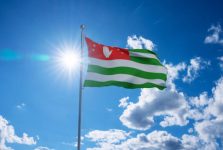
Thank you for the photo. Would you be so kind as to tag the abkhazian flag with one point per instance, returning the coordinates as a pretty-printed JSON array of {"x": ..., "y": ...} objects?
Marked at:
[{"x": 133, "y": 68}]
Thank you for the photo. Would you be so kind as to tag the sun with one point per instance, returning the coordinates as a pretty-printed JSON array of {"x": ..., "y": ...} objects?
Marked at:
[{"x": 67, "y": 61}]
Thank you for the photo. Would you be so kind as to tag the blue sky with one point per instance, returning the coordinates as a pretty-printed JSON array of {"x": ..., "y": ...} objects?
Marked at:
[{"x": 40, "y": 99}]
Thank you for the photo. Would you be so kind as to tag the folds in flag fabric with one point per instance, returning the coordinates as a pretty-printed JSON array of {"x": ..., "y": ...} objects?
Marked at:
[{"x": 134, "y": 68}]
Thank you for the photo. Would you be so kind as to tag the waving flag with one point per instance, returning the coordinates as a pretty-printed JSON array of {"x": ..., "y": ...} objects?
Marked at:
[{"x": 135, "y": 68}]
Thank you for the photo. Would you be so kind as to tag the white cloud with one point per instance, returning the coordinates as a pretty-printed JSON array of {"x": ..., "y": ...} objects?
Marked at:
[
  {"x": 174, "y": 70},
  {"x": 139, "y": 43},
  {"x": 196, "y": 64},
  {"x": 156, "y": 140},
  {"x": 173, "y": 73},
  {"x": 200, "y": 101},
  {"x": 43, "y": 148},
  {"x": 191, "y": 142},
  {"x": 153, "y": 103},
  {"x": 215, "y": 107},
  {"x": 220, "y": 58},
  {"x": 123, "y": 102},
  {"x": 21, "y": 106},
  {"x": 7, "y": 135},
  {"x": 220, "y": 62},
  {"x": 198, "y": 105},
  {"x": 209, "y": 113},
  {"x": 214, "y": 37},
  {"x": 209, "y": 130},
  {"x": 196, "y": 114},
  {"x": 109, "y": 136}
]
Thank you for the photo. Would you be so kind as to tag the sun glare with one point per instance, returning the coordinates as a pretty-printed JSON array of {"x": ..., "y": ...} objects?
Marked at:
[{"x": 69, "y": 60}]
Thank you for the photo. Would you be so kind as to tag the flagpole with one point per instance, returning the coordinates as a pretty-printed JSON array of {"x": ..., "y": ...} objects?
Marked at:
[{"x": 80, "y": 91}]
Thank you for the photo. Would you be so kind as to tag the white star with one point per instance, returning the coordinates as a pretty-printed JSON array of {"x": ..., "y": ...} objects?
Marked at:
[{"x": 94, "y": 45}]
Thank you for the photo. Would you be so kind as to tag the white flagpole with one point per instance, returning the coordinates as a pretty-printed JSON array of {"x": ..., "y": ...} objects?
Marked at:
[{"x": 80, "y": 91}]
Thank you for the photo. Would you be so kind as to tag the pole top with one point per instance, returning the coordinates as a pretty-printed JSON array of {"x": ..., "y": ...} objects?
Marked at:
[{"x": 82, "y": 27}]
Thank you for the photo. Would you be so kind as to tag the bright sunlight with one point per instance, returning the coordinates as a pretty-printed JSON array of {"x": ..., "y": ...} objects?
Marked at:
[{"x": 67, "y": 60}]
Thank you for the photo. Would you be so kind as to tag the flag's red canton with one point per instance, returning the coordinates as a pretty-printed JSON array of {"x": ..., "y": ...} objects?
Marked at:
[{"x": 106, "y": 52}]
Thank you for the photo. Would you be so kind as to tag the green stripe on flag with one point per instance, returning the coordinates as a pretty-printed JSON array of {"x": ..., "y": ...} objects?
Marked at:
[
  {"x": 142, "y": 60},
  {"x": 142, "y": 51},
  {"x": 90, "y": 83},
  {"x": 126, "y": 70}
]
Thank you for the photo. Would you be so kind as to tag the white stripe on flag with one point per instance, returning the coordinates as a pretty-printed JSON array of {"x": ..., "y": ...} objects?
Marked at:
[
  {"x": 145, "y": 55},
  {"x": 127, "y": 63},
  {"x": 122, "y": 78}
]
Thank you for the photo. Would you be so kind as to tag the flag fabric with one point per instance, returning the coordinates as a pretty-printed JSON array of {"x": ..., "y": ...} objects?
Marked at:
[{"x": 135, "y": 68}]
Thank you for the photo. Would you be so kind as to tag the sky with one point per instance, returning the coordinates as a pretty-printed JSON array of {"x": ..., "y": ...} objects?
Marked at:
[{"x": 39, "y": 97}]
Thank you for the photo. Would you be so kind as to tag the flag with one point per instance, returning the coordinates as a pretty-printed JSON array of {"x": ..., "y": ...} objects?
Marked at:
[{"x": 133, "y": 68}]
